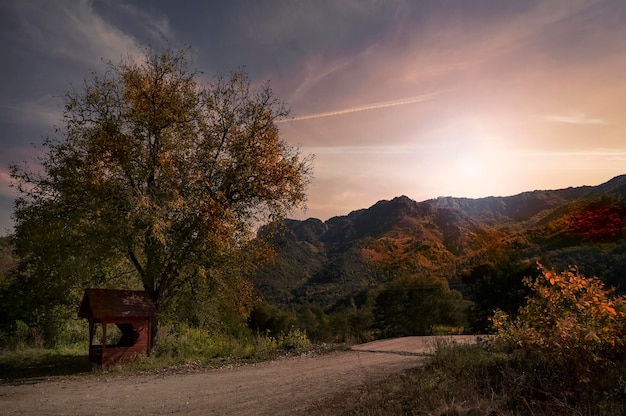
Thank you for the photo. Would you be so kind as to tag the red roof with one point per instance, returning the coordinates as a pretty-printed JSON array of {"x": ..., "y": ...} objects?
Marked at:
[{"x": 111, "y": 303}]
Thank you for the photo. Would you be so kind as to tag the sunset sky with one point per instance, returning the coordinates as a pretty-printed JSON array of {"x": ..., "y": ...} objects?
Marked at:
[{"x": 466, "y": 98}]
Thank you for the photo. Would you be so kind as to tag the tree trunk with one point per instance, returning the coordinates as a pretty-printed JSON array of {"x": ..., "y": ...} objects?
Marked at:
[{"x": 154, "y": 330}]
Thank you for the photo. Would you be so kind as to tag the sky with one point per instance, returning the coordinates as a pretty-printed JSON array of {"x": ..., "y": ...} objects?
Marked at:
[{"x": 464, "y": 98}]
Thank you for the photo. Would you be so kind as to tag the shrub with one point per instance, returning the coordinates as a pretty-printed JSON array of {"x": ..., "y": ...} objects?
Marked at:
[
  {"x": 295, "y": 339},
  {"x": 569, "y": 337},
  {"x": 182, "y": 343}
]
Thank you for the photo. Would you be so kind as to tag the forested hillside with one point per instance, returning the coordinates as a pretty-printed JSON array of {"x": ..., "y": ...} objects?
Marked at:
[
  {"x": 465, "y": 241},
  {"x": 403, "y": 267}
]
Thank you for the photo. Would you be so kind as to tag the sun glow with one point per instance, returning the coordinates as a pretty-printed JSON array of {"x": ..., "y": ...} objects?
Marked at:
[
  {"x": 475, "y": 158},
  {"x": 470, "y": 167}
]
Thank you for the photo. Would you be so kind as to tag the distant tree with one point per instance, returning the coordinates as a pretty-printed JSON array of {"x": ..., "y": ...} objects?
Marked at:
[
  {"x": 269, "y": 319},
  {"x": 352, "y": 324},
  {"x": 158, "y": 179},
  {"x": 412, "y": 305},
  {"x": 497, "y": 283}
]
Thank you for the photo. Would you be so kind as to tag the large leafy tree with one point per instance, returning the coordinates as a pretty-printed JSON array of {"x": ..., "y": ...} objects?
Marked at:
[{"x": 158, "y": 178}]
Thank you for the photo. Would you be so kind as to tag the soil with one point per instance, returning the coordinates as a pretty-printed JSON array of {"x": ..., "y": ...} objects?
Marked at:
[{"x": 281, "y": 387}]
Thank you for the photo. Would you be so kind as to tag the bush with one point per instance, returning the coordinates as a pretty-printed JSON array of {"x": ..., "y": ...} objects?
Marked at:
[
  {"x": 181, "y": 343},
  {"x": 295, "y": 339},
  {"x": 21, "y": 335},
  {"x": 567, "y": 340}
]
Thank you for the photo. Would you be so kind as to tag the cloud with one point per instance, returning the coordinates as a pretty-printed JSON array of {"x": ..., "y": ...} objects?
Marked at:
[
  {"x": 5, "y": 178},
  {"x": 375, "y": 106},
  {"x": 298, "y": 24},
  {"x": 613, "y": 154},
  {"x": 76, "y": 31},
  {"x": 579, "y": 118},
  {"x": 345, "y": 150},
  {"x": 57, "y": 43},
  {"x": 6, "y": 191},
  {"x": 150, "y": 25},
  {"x": 446, "y": 47},
  {"x": 44, "y": 111},
  {"x": 315, "y": 70}
]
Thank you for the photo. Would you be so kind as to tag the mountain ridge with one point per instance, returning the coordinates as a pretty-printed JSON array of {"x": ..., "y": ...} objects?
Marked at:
[{"x": 324, "y": 261}]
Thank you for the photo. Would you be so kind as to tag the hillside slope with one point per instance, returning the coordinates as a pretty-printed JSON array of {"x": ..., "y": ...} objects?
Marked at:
[{"x": 327, "y": 262}]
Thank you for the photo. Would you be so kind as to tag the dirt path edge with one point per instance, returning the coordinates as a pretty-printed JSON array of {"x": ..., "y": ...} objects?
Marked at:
[{"x": 280, "y": 387}]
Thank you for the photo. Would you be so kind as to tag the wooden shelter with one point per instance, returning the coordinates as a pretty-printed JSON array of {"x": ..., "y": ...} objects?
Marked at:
[{"x": 131, "y": 311}]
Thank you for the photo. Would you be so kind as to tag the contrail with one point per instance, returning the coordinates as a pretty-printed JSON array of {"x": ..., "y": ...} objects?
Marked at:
[
  {"x": 575, "y": 119},
  {"x": 375, "y": 106}
]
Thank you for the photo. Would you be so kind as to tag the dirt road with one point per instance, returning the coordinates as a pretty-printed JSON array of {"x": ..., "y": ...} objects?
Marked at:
[{"x": 281, "y": 387}]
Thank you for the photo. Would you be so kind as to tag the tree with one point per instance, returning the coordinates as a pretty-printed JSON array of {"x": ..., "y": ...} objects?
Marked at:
[
  {"x": 413, "y": 305},
  {"x": 497, "y": 283},
  {"x": 159, "y": 180}
]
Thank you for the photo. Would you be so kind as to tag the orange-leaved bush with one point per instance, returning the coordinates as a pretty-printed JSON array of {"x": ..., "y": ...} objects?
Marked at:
[{"x": 571, "y": 319}]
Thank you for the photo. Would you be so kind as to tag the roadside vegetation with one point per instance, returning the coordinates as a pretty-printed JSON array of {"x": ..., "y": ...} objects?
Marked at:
[
  {"x": 563, "y": 354},
  {"x": 181, "y": 349}
]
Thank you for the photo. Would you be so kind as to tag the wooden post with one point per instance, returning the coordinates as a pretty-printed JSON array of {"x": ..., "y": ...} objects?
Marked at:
[
  {"x": 91, "y": 331},
  {"x": 104, "y": 339},
  {"x": 149, "y": 336}
]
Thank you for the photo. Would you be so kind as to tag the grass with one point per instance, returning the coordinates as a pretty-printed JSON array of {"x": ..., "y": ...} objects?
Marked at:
[
  {"x": 180, "y": 350},
  {"x": 27, "y": 363},
  {"x": 471, "y": 380},
  {"x": 448, "y": 385}
]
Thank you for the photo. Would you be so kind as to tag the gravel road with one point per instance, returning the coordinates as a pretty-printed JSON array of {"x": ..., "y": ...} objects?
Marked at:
[{"x": 281, "y": 387}]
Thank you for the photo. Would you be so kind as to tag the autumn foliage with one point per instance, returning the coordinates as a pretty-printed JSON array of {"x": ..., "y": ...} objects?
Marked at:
[
  {"x": 157, "y": 179},
  {"x": 601, "y": 220},
  {"x": 573, "y": 320}
]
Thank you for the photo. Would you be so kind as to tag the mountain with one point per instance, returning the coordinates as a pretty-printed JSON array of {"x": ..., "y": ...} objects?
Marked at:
[{"x": 325, "y": 263}]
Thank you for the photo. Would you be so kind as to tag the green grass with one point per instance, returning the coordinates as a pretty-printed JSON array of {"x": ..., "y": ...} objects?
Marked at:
[
  {"x": 42, "y": 363},
  {"x": 180, "y": 350}
]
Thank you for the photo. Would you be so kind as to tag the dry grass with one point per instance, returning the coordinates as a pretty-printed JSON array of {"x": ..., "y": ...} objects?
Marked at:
[{"x": 472, "y": 381}]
